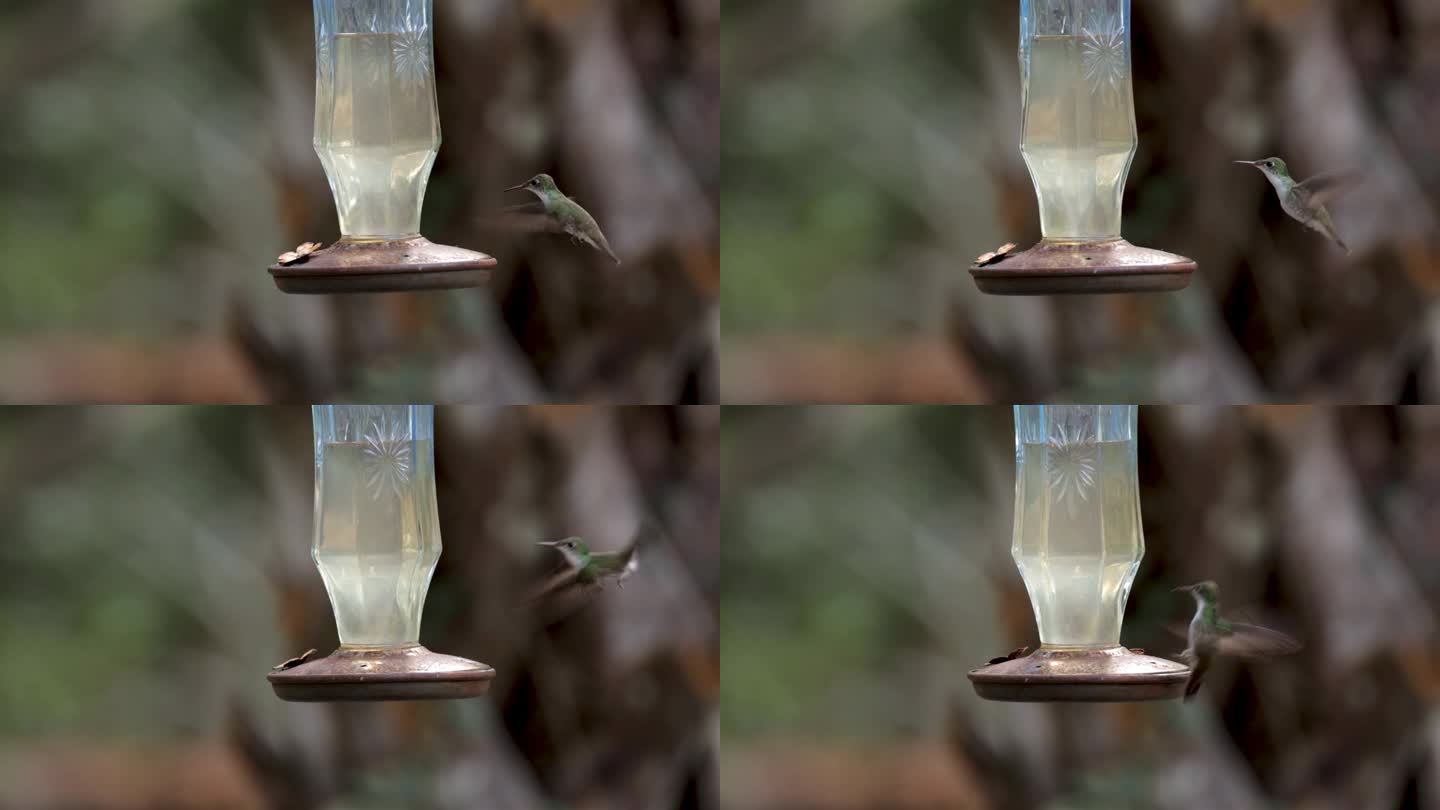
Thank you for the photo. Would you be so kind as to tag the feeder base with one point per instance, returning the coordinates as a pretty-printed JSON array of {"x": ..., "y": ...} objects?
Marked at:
[
  {"x": 1084, "y": 268},
  {"x": 395, "y": 673},
  {"x": 1107, "y": 675},
  {"x": 354, "y": 266}
]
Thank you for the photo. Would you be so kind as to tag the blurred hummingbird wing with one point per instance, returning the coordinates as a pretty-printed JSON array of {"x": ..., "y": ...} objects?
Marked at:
[
  {"x": 629, "y": 556},
  {"x": 627, "y": 559},
  {"x": 1254, "y": 641},
  {"x": 1264, "y": 618},
  {"x": 1322, "y": 188},
  {"x": 565, "y": 598},
  {"x": 557, "y": 583},
  {"x": 521, "y": 219},
  {"x": 648, "y": 534}
]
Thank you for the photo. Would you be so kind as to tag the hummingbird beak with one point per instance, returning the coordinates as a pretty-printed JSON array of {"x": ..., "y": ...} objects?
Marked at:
[
  {"x": 520, "y": 187},
  {"x": 1184, "y": 589},
  {"x": 1248, "y": 162},
  {"x": 549, "y": 543}
]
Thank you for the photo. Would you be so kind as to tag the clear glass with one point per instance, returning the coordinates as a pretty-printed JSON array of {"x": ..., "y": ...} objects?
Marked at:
[
  {"x": 377, "y": 533},
  {"x": 1077, "y": 538},
  {"x": 1078, "y": 135},
  {"x": 377, "y": 126}
]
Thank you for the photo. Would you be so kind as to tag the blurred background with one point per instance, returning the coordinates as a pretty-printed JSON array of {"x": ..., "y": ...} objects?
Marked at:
[
  {"x": 158, "y": 158},
  {"x": 874, "y": 153},
  {"x": 157, "y": 564},
  {"x": 866, "y": 561}
]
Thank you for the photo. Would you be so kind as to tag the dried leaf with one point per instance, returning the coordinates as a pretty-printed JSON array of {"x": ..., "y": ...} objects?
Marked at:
[
  {"x": 299, "y": 254},
  {"x": 999, "y": 253},
  {"x": 295, "y": 662},
  {"x": 1015, "y": 653}
]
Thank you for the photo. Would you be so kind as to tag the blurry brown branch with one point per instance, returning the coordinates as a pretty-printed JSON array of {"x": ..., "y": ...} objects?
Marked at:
[
  {"x": 816, "y": 371},
  {"x": 96, "y": 370},
  {"x": 829, "y": 777},
  {"x": 127, "y": 777}
]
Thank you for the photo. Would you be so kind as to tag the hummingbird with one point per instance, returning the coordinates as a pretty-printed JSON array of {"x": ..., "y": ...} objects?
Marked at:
[
  {"x": 1210, "y": 634},
  {"x": 588, "y": 572},
  {"x": 1304, "y": 202},
  {"x": 566, "y": 215}
]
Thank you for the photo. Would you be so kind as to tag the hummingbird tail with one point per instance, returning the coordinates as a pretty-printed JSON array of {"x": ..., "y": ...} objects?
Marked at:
[
  {"x": 1197, "y": 676},
  {"x": 605, "y": 246}
]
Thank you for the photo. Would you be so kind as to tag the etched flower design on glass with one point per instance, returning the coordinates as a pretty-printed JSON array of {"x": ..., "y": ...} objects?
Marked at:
[
  {"x": 1077, "y": 536},
  {"x": 1104, "y": 54},
  {"x": 412, "y": 56},
  {"x": 387, "y": 455},
  {"x": 1072, "y": 460}
]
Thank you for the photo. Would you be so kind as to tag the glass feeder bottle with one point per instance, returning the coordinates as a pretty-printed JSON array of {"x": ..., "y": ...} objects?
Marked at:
[
  {"x": 1077, "y": 537},
  {"x": 377, "y": 124},
  {"x": 1078, "y": 543},
  {"x": 1078, "y": 137},
  {"x": 377, "y": 532},
  {"x": 377, "y": 133},
  {"x": 376, "y": 543}
]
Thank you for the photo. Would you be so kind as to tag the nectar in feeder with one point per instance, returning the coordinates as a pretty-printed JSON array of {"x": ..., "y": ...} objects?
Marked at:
[
  {"x": 1078, "y": 543},
  {"x": 377, "y": 538},
  {"x": 1078, "y": 138},
  {"x": 376, "y": 543},
  {"x": 377, "y": 133}
]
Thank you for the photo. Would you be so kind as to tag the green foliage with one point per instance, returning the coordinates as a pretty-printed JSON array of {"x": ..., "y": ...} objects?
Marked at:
[
  {"x": 825, "y": 155},
  {"x": 116, "y": 168},
  {"x": 825, "y": 630},
  {"x": 111, "y": 592}
]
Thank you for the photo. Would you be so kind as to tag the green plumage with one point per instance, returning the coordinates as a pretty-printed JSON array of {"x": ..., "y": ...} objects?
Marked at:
[
  {"x": 587, "y": 571},
  {"x": 1304, "y": 202},
  {"x": 565, "y": 215},
  {"x": 1210, "y": 635}
]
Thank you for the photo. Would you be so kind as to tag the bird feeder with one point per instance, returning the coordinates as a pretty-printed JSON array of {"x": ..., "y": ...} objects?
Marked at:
[
  {"x": 376, "y": 543},
  {"x": 1078, "y": 138},
  {"x": 1077, "y": 544},
  {"x": 377, "y": 132}
]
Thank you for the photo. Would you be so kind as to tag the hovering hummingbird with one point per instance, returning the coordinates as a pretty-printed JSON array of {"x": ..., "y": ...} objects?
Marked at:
[
  {"x": 566, "y": 215},
  {"x": 1304, "y": 202},
  {"x": 1210, "y": 634},
  {"x": 588, "y": 572}
]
